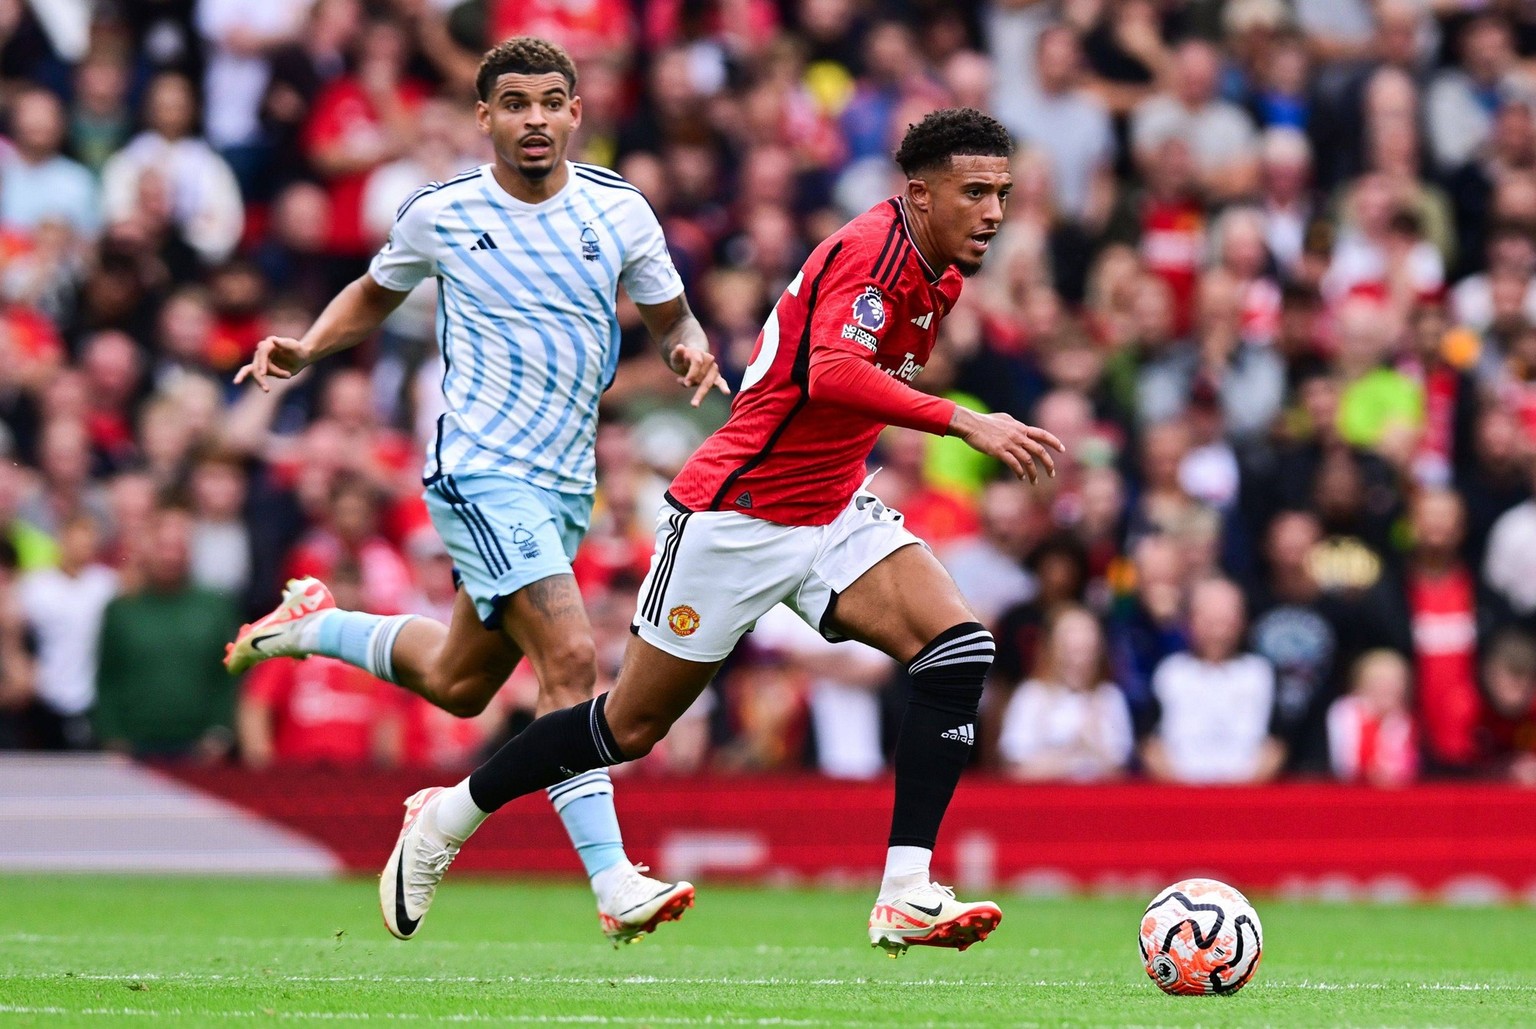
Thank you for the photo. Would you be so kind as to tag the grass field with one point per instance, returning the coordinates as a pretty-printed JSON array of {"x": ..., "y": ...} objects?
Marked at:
[{"x": 96, "y": 951}]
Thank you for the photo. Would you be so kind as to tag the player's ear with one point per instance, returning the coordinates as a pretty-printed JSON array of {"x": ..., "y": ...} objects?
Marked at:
[
  {"x": 918, "y": 192},
  {"x": 483, "y": 116},
  {"x": 575, "y": 112}
]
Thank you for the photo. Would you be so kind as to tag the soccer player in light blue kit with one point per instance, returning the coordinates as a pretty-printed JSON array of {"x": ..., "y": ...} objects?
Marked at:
[{"x": 529, "y": 252}]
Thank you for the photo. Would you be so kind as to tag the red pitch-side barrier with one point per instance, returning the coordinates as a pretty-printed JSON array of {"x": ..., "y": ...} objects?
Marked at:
[{"x": 1466, "y": 842}]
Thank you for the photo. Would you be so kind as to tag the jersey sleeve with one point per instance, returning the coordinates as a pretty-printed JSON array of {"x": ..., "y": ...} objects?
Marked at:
[
  {"x": 847, "y": 325},
  {"x": 648, "y": 275},
  {"x": 407, "y": 255}
]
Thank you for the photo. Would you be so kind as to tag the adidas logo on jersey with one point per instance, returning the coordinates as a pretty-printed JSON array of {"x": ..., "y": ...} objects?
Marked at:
[
  {"x": 964, "y": 733},
  {"x": 485, "y": 242},
  {"x": 745, "y": 500},
  {"x": 923, "y": 321}
]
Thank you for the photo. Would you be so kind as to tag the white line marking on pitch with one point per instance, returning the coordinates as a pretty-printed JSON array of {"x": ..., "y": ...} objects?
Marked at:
[{"x": 365, "y": 1016}]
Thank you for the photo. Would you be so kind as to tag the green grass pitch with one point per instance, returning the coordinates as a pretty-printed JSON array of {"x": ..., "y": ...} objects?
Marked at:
[{"x": 94, "y": 951}]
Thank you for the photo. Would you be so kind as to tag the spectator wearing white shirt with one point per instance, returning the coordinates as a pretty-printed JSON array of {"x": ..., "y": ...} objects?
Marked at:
[
  {"x": 1068, "y": 721},
  {"x": 37, "y": 183},
  {"x": 239, "y": 35},
  {"x": 1070, "y": 126},
  {"x": 1220, "y": 135},
  {"x": 204, "y": 198},
  {"x": 1215, "y": 702},
  {"x": 64, "y": 606}
]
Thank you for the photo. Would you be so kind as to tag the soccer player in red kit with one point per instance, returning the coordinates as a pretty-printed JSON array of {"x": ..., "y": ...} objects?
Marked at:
[{"x": 775, "y": 507}]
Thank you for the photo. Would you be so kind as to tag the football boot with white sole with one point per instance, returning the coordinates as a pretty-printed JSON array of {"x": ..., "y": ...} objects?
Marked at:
[
  {"x": 638, "y": 904},
  {"x": 928, "y": 915},
  {"x": 277, "y": 634},
  {"x": 415, "y": 867}
]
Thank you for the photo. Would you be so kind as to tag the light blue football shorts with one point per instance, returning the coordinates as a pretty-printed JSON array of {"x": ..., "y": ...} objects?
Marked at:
[{"x": 504, "y": 533}]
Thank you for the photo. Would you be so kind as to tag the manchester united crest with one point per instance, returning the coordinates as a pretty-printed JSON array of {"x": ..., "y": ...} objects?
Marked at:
[{"x": 683, "y": 619}]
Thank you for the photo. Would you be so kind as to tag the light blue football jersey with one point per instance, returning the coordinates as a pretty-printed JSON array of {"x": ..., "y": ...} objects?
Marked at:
[{"x": 527, "y": 316}]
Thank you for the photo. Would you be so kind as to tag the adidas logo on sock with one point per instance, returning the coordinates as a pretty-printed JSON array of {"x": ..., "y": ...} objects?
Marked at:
[{"x": 964, "y": 733}]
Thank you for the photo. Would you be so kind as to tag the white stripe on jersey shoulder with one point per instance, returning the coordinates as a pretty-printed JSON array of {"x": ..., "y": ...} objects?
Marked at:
[
  {"x": 600, "y": 176},
  {"x": 433, "y": 187}
]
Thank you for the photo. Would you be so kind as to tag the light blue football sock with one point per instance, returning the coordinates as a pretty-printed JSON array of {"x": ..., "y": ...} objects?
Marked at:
[
  {"x": 364, "y": 640},
  {"x": 585, "y": 804}
]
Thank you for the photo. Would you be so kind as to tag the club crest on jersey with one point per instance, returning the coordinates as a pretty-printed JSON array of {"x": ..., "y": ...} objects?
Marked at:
[
  {"x": 683, "y": 620},
  {"x": 869, "y": 309},
  {"x": 589, "y": 241}
]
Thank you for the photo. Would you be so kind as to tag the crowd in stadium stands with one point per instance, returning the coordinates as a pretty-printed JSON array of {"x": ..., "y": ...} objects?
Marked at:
[{"x": 1267, "y": 271}]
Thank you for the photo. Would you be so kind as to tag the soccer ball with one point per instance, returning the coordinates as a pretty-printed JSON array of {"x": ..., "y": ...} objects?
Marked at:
[{"x": 1201, "y": 936}]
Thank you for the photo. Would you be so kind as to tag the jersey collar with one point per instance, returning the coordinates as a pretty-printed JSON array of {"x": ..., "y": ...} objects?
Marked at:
[
  {"x": 906, "y": 229},
  {"x": 512, "y": 201}
]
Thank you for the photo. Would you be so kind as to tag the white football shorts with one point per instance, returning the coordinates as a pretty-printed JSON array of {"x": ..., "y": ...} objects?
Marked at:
[{"x": 715, "y": 573}]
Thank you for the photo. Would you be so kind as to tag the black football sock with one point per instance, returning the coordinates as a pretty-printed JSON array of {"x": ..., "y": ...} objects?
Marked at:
[
  {"x": 938, "y": 733},
  {"x": 552, "y": 749}
]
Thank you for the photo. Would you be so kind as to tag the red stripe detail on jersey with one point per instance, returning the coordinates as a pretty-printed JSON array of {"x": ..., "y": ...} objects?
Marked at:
[
  {"x": 890, "y": 237},
  {"x": 800, "y": 375}
]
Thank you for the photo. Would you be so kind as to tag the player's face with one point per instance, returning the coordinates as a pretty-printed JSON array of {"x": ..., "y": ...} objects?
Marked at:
[
  {"x": 530, "y": 119},
  {"x": 964, "y": 203}
]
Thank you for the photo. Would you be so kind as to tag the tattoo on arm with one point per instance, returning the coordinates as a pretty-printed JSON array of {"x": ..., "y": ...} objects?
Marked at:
[{"x": 683, "y": 328}]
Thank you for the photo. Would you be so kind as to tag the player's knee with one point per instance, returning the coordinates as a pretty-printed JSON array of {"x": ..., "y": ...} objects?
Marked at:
[
  {"x": 637, "y": 737},
  {"x": 460, "y": 696},
  {"x": 954, "y": 664},
  {"x": 568, "y": 671}
]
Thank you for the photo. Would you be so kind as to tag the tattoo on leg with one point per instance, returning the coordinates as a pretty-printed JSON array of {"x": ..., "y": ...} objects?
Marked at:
[{"x": 555, "y": 597}]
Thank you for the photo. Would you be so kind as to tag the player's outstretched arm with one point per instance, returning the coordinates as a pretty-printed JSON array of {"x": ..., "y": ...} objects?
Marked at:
[
  {"x": 346, "y": 321},
  {"x": 1026, "y": 449},
  {"x": 684, "y": 346}
]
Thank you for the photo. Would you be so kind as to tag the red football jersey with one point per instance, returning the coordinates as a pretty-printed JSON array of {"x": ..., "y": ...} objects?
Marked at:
[{"x": 801, "y": 427}]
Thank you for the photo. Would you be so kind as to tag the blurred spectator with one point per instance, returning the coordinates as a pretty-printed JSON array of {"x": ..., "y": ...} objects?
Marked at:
[
  {"x": 1436, "y": 360},
  {"x": 1509, "y": 563},
  {"x": 1444, "y": 604},
  {"x": 240, "y": 37},
  {"x": 1070, "y": 126},
  {"x": 1463, "y": 98},
  {"x": 840, "y": 684},
  {"x": 300, "y": 68},
  {"x": 360, "y": 121},
  {"x": 19, "y": 708},
  {"x": 100, "y": 119},
  {"x": 221, "y": 542},
  {"x": 167, "y": 170},
  {"x": 1370, "y": 730},
  {"x": 1150, "y": 624},
  {"x": 1215, "y": 703},
  {"x": 161, "y": 688},
  {"x": 1220, "y": 136},
  {"x": 351, "y": 534},
  {"x": 37, "y": 183},
  {"x": 1068, "y": 721},
  {"x": 1059, "y": 566},
  {"x": 63, "y": 608},
  {"x": 1508, "y": 732},
  {"x": 989, "y": 569}
]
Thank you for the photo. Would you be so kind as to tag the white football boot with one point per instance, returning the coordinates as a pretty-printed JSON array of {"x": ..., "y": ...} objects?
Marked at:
[
  {"x": 277, "y": 634},
  {"x": 416, "y": 866},
  {"x": 638, "y": 904},
  {"x": 928, "y": 915}
]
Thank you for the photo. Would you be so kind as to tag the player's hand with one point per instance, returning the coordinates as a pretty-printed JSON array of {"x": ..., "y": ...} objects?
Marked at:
[
  {"x": 277, "y": 357},
  {"x": 1025, "y": 449},
  {"x": 697, "y": 368}
]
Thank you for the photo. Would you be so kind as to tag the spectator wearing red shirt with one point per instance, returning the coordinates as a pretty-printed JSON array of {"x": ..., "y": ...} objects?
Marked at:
[
  {"x": 318, "y": 711},
  {"x": 1442, "y": 602},
  {"x": 1371, "y": 736},
  {"x": 360, "y": 121},
  {"x": 1508, "y": 730},
  {"x": 352, "y": 535}
]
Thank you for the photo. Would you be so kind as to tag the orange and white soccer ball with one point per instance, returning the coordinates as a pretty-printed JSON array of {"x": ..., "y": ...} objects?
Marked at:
[{"x": 1201, "y": 936}]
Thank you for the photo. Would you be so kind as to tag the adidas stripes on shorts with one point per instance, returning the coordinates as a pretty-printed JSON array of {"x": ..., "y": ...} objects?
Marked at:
[{"x": 715, "y": 573}]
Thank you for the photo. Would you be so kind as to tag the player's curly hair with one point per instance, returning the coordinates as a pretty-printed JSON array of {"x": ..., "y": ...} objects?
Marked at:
[
  {"x": 523, "y": 55},
  {"x": 949, "y": 133}
]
